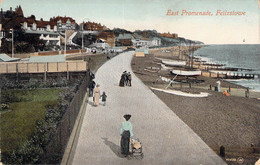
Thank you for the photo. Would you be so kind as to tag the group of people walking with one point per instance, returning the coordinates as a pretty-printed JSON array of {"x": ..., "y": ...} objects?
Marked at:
[
  {"x": 126, "y": 129},
  {"x": 97, "y": 96},
  {"x": 126, "y": 79},
  {"x": 94, "y": 91}
]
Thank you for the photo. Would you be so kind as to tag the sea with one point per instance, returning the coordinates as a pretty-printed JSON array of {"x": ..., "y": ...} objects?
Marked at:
[{"x": 246, "y": 57}]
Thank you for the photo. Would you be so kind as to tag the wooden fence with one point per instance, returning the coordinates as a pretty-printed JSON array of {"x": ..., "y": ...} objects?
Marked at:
[
  {"x": 69, "y": 66},
  {"x": 48, "y": 53}
]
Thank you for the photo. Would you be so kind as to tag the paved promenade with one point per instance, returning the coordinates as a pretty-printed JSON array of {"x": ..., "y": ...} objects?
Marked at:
[{"x": 166, "y": 139}]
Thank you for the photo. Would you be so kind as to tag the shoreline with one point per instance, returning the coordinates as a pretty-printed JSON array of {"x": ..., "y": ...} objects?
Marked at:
[
  {"x": 223, "y": 72},
  {"x": 218, "y": 119},
  {"x": 245, "y": 73}
]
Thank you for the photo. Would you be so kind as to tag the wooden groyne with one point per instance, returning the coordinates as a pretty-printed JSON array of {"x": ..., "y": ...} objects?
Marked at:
[{"x": 228, "y": 76}]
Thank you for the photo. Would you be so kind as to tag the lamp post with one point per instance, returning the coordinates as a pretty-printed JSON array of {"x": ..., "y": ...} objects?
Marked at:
[
  {"x": 65, "y": 43},
  {"x": 82, "y": 37},
  {"x": 12, "y": 43}
]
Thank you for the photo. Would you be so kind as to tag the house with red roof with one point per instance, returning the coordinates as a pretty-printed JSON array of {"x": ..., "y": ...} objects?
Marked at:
[
  {"x": 63, "y": 23},
  {"x": 46, "y": 31}
]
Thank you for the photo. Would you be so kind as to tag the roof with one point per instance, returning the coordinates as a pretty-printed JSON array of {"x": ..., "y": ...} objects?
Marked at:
[
  {"x": 156, "y": 38},
  {"x": 63, "y": 19},
  {"x": 6, "y": 58},
  {"x": 42, "y": 24},
  {"x": 41, "y": 32},
  {"x": 43, "y": 59},
  {"x": 106, "y": 35}
]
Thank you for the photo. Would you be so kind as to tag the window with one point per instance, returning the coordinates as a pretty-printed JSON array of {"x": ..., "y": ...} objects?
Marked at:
[{"x": 53, "y": 36}]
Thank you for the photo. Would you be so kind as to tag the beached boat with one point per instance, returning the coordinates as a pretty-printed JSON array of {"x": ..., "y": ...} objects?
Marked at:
[
  {"x": 165, "y": 79},
  {"x": 174, "y": 63},
  {"x": 186, "y": 72},
  {"x": 180, "y": 93},
  {"x": 163, "y": 67}
]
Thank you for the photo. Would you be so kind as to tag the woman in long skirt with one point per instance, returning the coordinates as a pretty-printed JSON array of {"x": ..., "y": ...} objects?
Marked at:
[
  {"x": 122, "y": 81},
  {"x": 96, "y": 95},
  {"x": 126, "y": 131}
]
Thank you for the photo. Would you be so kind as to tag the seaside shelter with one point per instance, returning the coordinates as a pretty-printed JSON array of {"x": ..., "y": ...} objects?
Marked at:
[
  {"x": 139, "y": 53},
  {"x": 6, "y": 58},
  {"x": 146, "y": 51},
  {"x": 44, "y": 59}
]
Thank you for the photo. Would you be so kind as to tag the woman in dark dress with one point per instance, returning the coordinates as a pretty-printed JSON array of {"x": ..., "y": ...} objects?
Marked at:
[
  {"x": 122, "y": 81},
  {"x": 126, "y": 131}
]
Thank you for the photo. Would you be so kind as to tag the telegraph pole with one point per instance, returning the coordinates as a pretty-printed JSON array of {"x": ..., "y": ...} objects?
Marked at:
[
  {"x": 12, "y": 43},
  {"x": 65, "y": 43}
]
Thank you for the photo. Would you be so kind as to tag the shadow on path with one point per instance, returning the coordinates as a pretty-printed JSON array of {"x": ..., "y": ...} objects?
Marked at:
[{"x": 115, "y": 148}]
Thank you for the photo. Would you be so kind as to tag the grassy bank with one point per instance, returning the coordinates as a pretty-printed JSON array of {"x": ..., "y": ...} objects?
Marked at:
[{"x": 18, "y": 122}]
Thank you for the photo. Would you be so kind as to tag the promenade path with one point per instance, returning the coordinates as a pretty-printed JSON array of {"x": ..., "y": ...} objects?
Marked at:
[{"x": 165, "y": 138}]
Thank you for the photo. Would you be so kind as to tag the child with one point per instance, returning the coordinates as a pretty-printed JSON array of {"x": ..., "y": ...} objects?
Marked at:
[{"x": 104, "y": 98}]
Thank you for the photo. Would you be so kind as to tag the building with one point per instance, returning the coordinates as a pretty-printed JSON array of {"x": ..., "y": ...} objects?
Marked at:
[
  {"x": 92, "y": 26},
  {"x": 100, "y": 43},
  {"x": 48, "y": 33},
  {"x": 108, "y": 37},
  {"x": 169, "y": 35},
  {"x": 125, "y": 42},
  {"x": 63, "y": 23},
  {"x": 155, "y": 41},
  {"x": 127, "y": 39},
  {"x": 18, "y": 12},
  {"x": 139, "y": 53},
  {"x": 6, "y": 58},
  {"x": 141, "y": 43},
  {"x": 10, "y": 18}
]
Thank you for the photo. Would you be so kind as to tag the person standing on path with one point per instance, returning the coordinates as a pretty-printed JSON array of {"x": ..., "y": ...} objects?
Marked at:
[
  {"x": 126, "y": 79},
  {"x": 92, "y": 85},
  {"x": 96, "y": 95},
  {"x": 218, "y": 85},
  {"x": 129, "y": 79},
  {"x": 104, "y": 98},
  {"x": 122, "y": 80},
  {"x": 125, "y": 75},
  {"x": 126, "y": 131}
]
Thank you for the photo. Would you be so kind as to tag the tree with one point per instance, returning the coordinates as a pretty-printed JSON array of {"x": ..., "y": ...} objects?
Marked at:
[
  {"x": 88, "y": 39},
  {"x": 23, "y": 43}
]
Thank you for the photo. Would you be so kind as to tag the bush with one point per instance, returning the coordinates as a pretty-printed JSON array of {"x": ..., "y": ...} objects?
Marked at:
[
  {"x": 37, "y": 83},
  {"x": 9, "y": 97}
]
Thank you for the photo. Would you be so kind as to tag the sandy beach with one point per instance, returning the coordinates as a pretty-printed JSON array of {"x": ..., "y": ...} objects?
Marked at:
[{"x": 231, "y": 121}]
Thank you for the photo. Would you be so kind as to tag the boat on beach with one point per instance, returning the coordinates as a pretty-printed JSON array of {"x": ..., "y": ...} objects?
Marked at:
[
  {"x": 174, "y": 63},
  {"x": 163, "y": 67},
  {"x": 186, "y": 72},
  {"x": 180, "y": 93}
]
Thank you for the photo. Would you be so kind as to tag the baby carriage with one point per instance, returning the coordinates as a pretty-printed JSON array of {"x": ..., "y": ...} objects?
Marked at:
[{"x": 136, "y": 149}]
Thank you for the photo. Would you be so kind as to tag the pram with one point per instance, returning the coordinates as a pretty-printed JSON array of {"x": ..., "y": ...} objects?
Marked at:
[{"x": 136, "y": 150}]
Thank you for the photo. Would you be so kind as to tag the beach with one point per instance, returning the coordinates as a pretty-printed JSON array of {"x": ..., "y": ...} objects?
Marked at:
[{"x": 220, "y": 120}]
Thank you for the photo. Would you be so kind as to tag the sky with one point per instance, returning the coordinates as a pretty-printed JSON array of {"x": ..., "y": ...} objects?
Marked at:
[{"x": 152, "y": 14}]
